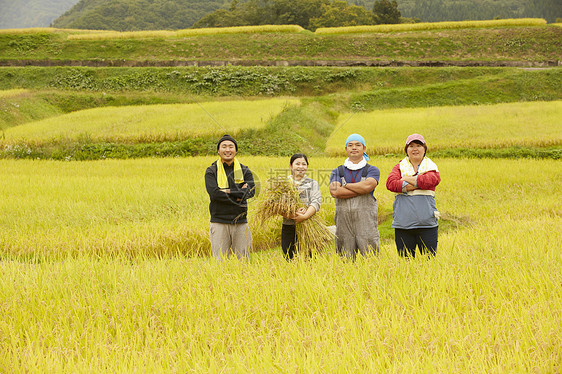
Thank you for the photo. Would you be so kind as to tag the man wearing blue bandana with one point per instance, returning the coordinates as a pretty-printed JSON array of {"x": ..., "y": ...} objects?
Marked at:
[{"x": 352, "y": 185}]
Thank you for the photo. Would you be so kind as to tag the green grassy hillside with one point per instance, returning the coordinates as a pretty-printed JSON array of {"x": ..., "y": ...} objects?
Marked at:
[
  {"x": 524, "y": 45},
  {"x": 363, "y": 87}
]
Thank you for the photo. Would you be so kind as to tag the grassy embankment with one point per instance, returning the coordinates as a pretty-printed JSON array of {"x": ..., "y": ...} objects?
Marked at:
[{"x": 500, "y": 43}]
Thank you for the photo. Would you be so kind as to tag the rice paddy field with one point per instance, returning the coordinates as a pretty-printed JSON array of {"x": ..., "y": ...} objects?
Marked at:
[
  {"x": 432, "y": 26},
  {"x": 537, "y": 124},
  {"x": 150, "y": 122},
  {"x": 105, "y": 269}
]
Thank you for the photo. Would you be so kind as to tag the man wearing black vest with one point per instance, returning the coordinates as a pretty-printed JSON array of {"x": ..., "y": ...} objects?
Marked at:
[
  {"x": 352, "y": 185},
  {"x": 229, "y": 185}
]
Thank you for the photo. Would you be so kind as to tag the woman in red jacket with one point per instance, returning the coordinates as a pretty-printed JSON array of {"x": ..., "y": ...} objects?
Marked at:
[{"x": 415, "y": 214}]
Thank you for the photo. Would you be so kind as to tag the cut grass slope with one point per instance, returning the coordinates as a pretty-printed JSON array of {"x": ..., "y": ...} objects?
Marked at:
[
  {"x": 18, "y": 106},
  {"x": 537, "y": 124},
  {"x": 527, "y": 44},
  {"x": 495, "y": 86}
]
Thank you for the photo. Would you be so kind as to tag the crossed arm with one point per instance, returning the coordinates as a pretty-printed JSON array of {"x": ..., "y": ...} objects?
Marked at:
[
  {"x": 352, "y": 189},
  {"x": 425, "y": 181},
  {"x": 245, "y": 191}
]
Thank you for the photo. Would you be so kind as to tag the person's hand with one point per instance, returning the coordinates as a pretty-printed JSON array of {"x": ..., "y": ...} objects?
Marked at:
[
  {"x": 409, "y": 187},
  {"x": 301, "y": 210},
  {"x": 245, "y": 185},
  {"x": 299, "y": 217},
  {"x": 410, "y": 180}
]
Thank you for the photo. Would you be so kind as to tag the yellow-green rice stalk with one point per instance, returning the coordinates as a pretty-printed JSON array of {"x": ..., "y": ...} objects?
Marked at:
[
  {"x": 31, "y": 30},
  {"x": 313, "y": 236},
  {"x": 432, "y": 26},
  {"x": 240, "y": 30},
  {"x": 281, "y": 197}
]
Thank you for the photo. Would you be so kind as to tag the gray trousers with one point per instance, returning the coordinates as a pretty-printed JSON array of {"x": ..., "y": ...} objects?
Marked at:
[
  {"x": 225, "y": 236},
  {"x": 357, "y": 228}
]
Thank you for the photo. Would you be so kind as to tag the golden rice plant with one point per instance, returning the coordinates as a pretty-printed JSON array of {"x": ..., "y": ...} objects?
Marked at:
[
  {"x": 240, "y": 30},
  {"x": 105, "y": 35},
  {"x": 150, "y": 123},
  {"x": 281, "y": 197},
  {"x": 31, "y": 30},
  {"x": 526, "y": 124},
  {"x": 123, "y": 35},
  {"x": 313, "y": 236},
  {"x": 51, "y": 30},
  {"x": 432, "y": 26}
]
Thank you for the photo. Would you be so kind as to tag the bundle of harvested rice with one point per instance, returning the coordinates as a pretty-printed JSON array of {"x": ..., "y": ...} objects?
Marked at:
[
  {"x": 281, "y": 197},
  {"x": 313, "y": 236}
]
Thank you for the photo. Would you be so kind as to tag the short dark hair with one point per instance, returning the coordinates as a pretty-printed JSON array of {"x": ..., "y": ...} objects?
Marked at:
[
  {"x": 417, "y": 142},
  {"x": 298, "y": 155}
]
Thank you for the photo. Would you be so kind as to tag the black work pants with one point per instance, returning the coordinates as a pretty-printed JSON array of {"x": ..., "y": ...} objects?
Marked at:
[
  {"x": 408, "y": 240},
  {"x": 289, "y": 241}
]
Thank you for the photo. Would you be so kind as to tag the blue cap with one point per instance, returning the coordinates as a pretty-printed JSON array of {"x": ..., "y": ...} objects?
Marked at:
[{"x": 357, "y": 138}]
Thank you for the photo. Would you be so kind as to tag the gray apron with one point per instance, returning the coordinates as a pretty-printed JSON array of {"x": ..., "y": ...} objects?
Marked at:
[{"x": 357, "y": 227}]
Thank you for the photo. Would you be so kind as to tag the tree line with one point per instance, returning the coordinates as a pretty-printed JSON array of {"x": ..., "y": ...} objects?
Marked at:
[
  {"x": 134, "y": 15},
  {"x": 310, "y": 14},
  {"x": 131, "y": 15},
  {"x": 461, "y": 10}
]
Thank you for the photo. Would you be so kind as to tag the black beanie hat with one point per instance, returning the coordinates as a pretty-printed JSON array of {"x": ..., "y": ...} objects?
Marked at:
[{"x": 227, "y": 137}]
